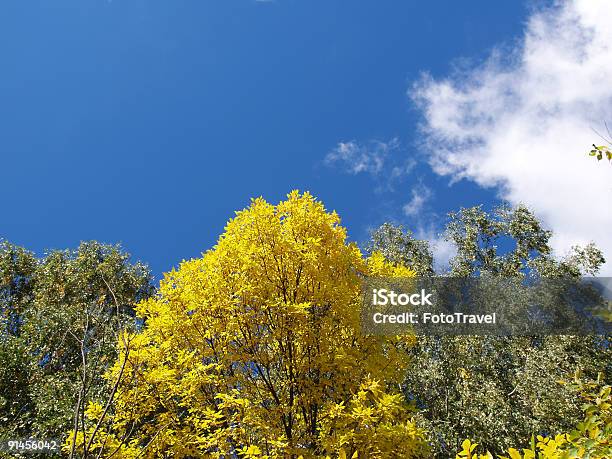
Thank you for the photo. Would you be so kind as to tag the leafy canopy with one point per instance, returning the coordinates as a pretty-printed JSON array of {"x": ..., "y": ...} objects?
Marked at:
[
  {"x": 60, "y": 319},
  {"x": 254, "y": 350},
  {"x": 497, "y": 390}
]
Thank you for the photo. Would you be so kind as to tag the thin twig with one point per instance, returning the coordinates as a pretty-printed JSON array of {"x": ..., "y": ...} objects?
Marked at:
[
  {"x": 111, "y": 396},
  {"x": 113, "y": 294},
  {"x": 76, "y": 423},
  {"x": 609, "y": 141}
]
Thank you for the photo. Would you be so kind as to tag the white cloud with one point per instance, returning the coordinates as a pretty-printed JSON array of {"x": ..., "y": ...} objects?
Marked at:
[
  {"x": 356, "y": 158},
  {"x": 441, "y": 249},
  {"x": 420, "y": 195},
  {"x": 522, "y": 122},
  {"x": 397, "y": 172}
]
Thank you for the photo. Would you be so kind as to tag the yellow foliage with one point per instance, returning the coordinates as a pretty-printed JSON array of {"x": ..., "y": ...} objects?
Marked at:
[
  {"x": 255, "y": 350},
  {"x": 467, "y": 451},
  {"x": 373, "y": 424}
]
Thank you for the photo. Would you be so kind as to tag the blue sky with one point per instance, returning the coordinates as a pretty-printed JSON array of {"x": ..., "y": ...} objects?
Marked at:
[{"x": 149, "y": 122}]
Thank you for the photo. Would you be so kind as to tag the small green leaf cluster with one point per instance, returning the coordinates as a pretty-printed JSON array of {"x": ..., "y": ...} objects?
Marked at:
[{"x": 600, "y": 152}]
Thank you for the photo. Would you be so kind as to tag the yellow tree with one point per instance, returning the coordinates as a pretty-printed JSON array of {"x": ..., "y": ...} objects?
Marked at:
[{"x": 254, "y": 350}]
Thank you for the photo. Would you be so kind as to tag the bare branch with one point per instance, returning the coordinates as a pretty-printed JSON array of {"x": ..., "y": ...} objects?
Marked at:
[{"x": 111, "y": 396}]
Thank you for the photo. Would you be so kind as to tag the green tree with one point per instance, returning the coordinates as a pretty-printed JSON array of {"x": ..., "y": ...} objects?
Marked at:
[
  {"x": 400, "y": 246},
  {"x": 499, "y": 390},
  {"x": 511, "y": 242},
  {"x": 63, "y": 315},
  {"x": 17, "y": 267}
]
